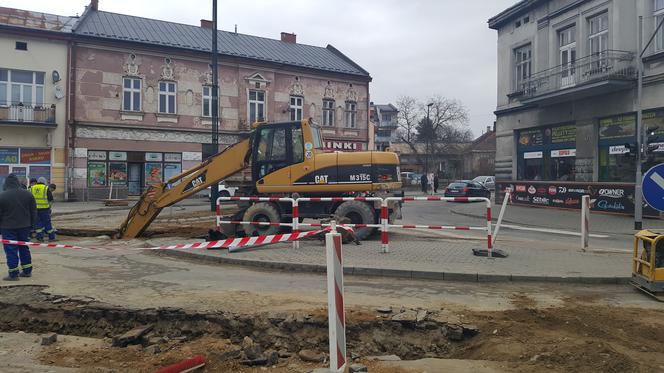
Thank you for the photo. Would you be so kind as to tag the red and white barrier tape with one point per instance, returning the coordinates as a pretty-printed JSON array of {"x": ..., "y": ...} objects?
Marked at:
[{"x": 232, "y": 244}]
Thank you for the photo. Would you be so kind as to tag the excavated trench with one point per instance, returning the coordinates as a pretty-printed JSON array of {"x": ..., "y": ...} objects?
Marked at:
[{"x": 412, "y": 335}]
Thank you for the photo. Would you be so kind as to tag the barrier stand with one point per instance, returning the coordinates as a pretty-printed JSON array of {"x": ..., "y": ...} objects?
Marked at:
[
  {"x": 296, "y": 222},
  {"x": 335, "y": 299},
  {"x": 585, "y": 222},
  {"x": 385, "y": 224},
  {"x": 496, "y": 229}
]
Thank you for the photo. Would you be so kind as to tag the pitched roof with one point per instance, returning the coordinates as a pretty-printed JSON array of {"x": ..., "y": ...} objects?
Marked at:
[
  {"x": 122, "y": 27},
  {"x": 388, "y": 107},
  {"x": 510, "y": 13},
  {"x": 35, "y": 20}
]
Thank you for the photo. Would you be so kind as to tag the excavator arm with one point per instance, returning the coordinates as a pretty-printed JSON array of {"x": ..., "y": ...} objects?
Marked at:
[{"x": 158, "y": 196}]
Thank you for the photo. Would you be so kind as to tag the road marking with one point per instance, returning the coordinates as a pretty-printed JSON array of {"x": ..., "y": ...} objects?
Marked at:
[
  {"x": 657, "y": 179},
  {"x": 553, "y": 231}
]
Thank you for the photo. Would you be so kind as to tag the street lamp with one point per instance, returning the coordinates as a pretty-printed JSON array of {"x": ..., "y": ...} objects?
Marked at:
[
  {"x": 214, "y": 190},
  {"x": 426, "y": 156},
  {"x": 641, "y": 137}
]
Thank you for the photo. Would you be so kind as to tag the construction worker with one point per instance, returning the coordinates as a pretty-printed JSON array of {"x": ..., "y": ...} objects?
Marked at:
[
  {"x": 18, "y": 213},
  {"x": 43, "y": 197}
]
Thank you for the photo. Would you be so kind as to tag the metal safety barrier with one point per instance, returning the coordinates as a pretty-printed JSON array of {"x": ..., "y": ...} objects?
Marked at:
[{"x": 383, "y": 225}]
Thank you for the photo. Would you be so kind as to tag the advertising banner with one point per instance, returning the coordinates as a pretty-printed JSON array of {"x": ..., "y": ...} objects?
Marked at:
[
  {"x": 171, "y": 169},
  {"x": 8, "y": 155},
  {"x": 117, "y": 172},
  {"x": 614, "y": 198},
  {"x": 40, "y": 171},
  {"x": 38, "y": 156},
  {"x": 96, "y": 174},
  {"x": 4, "y": 172},
  {"x": 153, "y": 173}
]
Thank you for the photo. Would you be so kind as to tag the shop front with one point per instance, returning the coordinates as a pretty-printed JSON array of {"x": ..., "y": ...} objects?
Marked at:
[
  {"x": 25, "y": 163},
  {"x": 130, "y": 171},
  {"x": 550, "y": 173}
]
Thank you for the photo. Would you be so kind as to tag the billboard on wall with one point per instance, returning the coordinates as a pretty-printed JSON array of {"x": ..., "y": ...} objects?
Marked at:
[{"x": 613, "y": 198}]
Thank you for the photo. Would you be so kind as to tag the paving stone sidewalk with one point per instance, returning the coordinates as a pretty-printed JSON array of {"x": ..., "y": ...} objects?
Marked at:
[{"x": 413, "y": 256}]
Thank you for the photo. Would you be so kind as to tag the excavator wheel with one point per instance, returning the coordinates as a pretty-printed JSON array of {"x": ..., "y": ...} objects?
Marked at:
[
  {"x": 357, "y": 212},
  {"x": 263, "y": 212}
]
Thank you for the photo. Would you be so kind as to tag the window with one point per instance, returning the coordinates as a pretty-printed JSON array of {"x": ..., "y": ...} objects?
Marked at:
[
  {"x": 598, "y": 39},
  {"x": 523, "y": 66},
  {"x": 517, "y": 24},
  {"x": 256, "y": 106},
  {"x": 328, "y": 112},
  {"x": 351, "y": 114},
  {"x": 271, "y": 153},
  {"x": 296, "y": 103},
  {"x": 526, "y": 19},
  {"x": 387, "y": 118},
  {"x": 617, "y": 140},
  {"x": 298, "y": 145},
  {"x": 659, "y": 17},
  {"x": 167, "y": 94},
  {"x": 21, "y": 46},
  {"x": 131, "y": 94},
  {"x": 567, "y": 49},
  {"x": 21, "y": 87},
  {"x": 207, "y": 101}
]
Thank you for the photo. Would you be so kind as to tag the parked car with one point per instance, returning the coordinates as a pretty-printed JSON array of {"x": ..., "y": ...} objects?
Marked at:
[
  {"x": 488, "y": 181},
  {"x": 410, "y": 178},
  {"x": 467, "y": 188},
  {"x": 224, "y": 191}
]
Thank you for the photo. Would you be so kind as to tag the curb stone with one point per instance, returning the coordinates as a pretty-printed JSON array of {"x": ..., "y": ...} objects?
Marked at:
[{"x": 396, "y": 273}]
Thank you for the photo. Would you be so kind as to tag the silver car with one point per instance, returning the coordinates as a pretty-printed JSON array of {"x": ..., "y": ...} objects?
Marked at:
[{"x": 488, "y": 182}]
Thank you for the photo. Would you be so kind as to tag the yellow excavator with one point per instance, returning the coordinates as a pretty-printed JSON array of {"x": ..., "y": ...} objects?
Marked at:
[{"x": 286, "y": 159}]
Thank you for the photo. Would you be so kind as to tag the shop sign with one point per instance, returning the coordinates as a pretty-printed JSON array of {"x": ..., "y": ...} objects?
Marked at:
[
  {"x": 563, "y": 134},
  {"x": 563, "y": 153},
  {"x": 40, "y": 156},
  {"x": 153, "y": 157},
  {"x": 172, "y": 157},
  {"x": 117, "y": 156},
  {"x": 617, "y": 127},
  {"x": 343, "y": 145},
  {"x": 8, "y": 155},
  {"x": 20, "y": 172},
  {"x": 614, "y": 198},
  {"x": 618, "y": 149},
  {"x": 96, "y": 155},
  {"x": 531, "y": 137},
  {"x": 533, "y": 155}
]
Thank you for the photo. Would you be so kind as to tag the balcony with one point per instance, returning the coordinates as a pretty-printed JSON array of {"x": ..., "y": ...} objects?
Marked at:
[
  {"x": 28, "y": 115},
  {"x": 592, "y": 75}
]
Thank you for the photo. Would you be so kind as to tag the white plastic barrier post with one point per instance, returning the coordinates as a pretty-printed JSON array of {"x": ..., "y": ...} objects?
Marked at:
[
  {"x": 296, "y": 221},
  {"x": 385, "y": 223},
  {"x": 335, "y": 300},
  {"x": 496, "y": 229},
  {"x": 585, "y": 222}
]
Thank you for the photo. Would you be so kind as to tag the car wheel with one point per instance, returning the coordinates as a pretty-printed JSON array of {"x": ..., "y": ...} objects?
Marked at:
[{"x": 357, "y": 212}]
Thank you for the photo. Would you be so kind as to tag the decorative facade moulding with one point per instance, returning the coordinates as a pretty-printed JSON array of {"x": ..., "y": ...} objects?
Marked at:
[
  {"x": 208, "y": 76},
  {"x": 257, "y": 81},
  {"x": 130, "y": 67},
  {"x": 329, "y": 92},
  {"x": 351, "y": 94},
  {"x": 167, "y": 70},
  {"x": 296, "y": 88}
]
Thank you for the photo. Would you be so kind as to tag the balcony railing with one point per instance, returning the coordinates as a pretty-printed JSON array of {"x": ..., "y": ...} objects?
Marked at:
[
  {"x": 28, "y": 114},
  {"x": 603, "y": 66}
]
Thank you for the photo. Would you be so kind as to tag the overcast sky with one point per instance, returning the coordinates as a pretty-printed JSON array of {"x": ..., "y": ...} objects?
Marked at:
[{"x": 414, "y": 47}]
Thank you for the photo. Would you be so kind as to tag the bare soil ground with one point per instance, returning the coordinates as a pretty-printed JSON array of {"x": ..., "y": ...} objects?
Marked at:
[{"x": 579, "y": 336}]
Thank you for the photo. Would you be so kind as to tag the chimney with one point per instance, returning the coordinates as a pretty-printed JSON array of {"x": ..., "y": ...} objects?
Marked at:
[
  {"x": 206, "y": 24},
  {"x": 288, "y": 37},
  {"x": 94, "y": 4},
  {"x": 488, "y": 129}
]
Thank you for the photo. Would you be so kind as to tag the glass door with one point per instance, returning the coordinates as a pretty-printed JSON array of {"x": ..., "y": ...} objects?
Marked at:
[
  {"x": 135, "y": 179},
  {"x": 567, "y": 45}
]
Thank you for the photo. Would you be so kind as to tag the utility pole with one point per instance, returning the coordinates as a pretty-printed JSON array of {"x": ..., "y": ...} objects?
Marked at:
[
  {"x": 214, "y": 190},
  {"x": 641, "y": 136},
  {"x": 428, "y": 141}
]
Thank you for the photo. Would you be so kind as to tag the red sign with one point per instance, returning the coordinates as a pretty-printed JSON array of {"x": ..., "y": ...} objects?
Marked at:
[
  {"x": 521, "y": 188},
  {"x": 343, "y": 146},
  {"x": 553, "y": 190},
  {"x": 36, "y": 156}
]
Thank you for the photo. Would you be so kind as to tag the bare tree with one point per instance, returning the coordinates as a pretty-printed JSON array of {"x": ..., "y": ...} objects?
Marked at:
[
  {"x": 447, "y": 125},
  {"x": 409, "y": 111}
]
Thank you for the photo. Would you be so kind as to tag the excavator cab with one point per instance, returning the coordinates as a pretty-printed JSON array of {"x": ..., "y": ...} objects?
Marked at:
[{"x": 648, "y": 263}]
